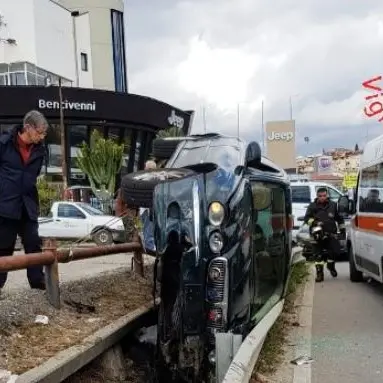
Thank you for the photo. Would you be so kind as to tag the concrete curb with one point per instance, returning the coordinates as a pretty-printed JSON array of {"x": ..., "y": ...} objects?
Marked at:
[
  {"x": 302, "y": 374},
  {"x": 67, "y": 362},
  {"x": 242, "y": 366},
  {"x": 297, "y": 256}
]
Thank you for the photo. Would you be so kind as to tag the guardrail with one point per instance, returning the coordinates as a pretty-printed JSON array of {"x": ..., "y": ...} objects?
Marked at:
[{"x": 51, "y": 256}]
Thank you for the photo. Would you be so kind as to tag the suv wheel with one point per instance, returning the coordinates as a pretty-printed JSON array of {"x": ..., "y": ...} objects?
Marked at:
[
  {"x": 137, "y": 188},
  {"x": 163, "y": 148}
]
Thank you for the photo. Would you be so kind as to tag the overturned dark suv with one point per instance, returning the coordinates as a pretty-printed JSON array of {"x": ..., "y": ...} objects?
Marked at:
[{"x": 222, "y": 225}]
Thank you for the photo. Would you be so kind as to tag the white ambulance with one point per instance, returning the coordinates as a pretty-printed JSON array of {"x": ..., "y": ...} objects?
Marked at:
[{"x": 365, "y": 240}]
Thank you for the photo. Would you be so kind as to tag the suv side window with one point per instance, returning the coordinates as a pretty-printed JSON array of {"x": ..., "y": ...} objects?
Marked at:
[
  {"x": 269, "y": 240},
  {"x": 300, "y": 194}
]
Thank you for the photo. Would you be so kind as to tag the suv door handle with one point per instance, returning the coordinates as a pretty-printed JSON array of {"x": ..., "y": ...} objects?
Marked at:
[{"x": 58, "y": 220}]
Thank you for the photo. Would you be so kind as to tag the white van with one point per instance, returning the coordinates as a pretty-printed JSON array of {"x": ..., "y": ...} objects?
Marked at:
[{"x": 365, "y": 241}]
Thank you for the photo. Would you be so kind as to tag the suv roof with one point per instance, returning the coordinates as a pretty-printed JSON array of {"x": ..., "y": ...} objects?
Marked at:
[{"x": 311, "y": 183}]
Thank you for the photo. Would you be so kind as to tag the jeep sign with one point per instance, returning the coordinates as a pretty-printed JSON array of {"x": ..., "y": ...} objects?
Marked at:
[
  {"x": 281, "y": 136},
  {"x": 175, "y": 120}
]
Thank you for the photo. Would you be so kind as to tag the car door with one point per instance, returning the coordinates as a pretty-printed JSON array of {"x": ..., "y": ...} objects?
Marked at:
[
  {"x": 70, "y": 222},
  {"x": 369, "y": 221}
]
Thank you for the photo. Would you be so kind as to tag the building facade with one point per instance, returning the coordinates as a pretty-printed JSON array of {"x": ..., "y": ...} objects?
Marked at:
[
  {"x": 338, "y": 162},
  {"x": 107, "y": 40},
  {"x": 127, "y": 118},
  {"x": 44, "y": 43},
  {"x": 80, "y": 45}
]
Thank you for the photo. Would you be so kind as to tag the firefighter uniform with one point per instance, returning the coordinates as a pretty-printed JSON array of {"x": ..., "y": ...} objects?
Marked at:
[{"x": 326, "y": 214}]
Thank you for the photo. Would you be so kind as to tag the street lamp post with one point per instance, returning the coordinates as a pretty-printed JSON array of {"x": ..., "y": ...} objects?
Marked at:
[{"x": 63, "y": 140}]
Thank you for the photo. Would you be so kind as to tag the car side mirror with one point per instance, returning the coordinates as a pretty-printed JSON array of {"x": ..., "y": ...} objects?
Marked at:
[
  {"x": 253, "y": 155},
  {"x": 300, "y": 219}
]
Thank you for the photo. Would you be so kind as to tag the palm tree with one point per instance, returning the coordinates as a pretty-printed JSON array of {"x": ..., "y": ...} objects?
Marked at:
[{"x": 172, "y": 131}]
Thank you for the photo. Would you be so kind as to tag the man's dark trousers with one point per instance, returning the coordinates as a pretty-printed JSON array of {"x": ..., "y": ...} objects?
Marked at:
[
  {"x": 332, "y": 245},
  {"x": 27, "y": 229}
]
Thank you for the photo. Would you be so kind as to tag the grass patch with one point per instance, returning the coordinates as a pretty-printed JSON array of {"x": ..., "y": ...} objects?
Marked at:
[{"x": 273, "y": 351}]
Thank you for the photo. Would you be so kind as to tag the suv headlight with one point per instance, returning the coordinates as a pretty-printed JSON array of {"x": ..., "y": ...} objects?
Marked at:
[
  {"x": 216, "y": 242},
  {"x": 216, "y": 213}
]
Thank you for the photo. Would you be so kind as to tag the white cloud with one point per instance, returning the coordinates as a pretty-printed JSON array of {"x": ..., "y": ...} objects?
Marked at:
[
  {"x": 220, "y": 76},
  {"x": 219, "y": 53}
]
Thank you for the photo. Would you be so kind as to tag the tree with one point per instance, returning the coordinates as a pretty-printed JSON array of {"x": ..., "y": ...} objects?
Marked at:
[
  {"x": 172, "y": 131},
  {"x": 47, "y": 195},
  {"x": 101, "y": 161},
  {"x": 356, "y": 148}
]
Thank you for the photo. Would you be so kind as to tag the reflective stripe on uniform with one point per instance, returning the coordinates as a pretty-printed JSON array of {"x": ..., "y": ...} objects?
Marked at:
[
  {"x": 319, "y": 263},
  {"x": 310, "y": 221}
]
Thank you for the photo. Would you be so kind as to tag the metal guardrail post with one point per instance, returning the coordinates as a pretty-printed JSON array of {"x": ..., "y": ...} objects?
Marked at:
[
  {"x": 52, "y": 274},
  {"x": 138, "y": 259}
]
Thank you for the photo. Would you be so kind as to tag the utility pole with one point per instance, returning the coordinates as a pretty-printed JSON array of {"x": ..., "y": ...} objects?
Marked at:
[
  {"x": 64, "y": 151},
  {"x": 238, "y": 120},
  {"x": 262, "y": 130},
  {"x": 204, "y": 118}
]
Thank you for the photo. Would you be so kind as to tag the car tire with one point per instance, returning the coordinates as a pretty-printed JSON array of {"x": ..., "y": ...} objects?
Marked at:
[
  {"x": 163, "y": 148},
  {"x": 137, "y": 188},
  {"x": 355, "y": 275},
  {"x": 102, "y": 237}
]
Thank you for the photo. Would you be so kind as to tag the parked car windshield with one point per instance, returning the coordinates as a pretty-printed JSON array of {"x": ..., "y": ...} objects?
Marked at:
[
  {"x": 89, "y": 209},
  {"x": 227, "y": 157}
]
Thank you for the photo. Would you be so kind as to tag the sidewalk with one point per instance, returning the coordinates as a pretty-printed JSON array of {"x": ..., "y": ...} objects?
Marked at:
[{"x": 347, "y": 332}]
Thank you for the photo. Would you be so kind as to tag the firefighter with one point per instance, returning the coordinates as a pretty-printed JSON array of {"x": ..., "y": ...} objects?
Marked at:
[{"x": 324, "y": 212}]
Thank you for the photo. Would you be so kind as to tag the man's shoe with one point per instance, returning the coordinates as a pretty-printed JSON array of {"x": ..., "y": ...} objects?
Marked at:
[
  {"x": 319, "y": 273},
  {"x": 331, "y": 269},
  {"x": 38, "y": 286}
]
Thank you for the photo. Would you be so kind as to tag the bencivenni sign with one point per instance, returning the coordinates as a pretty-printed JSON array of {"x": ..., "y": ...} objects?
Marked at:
[{"x": 68, "y": 105}]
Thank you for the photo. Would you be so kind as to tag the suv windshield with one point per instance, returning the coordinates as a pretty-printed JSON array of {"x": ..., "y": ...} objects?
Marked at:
[{"x": 225, "y": 156}]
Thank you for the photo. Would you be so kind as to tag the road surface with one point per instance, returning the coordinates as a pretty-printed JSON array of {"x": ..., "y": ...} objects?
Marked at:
[{"x": 347, "y": 331}]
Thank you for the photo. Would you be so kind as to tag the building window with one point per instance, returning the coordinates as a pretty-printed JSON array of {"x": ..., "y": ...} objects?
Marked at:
[
  {"x": 120, "y": 78},
  {"x": 84, "y": 62},
  {"x": 3, "y": 79},
  {"x": 18, "y": 78},
  {"x": 76, "y": 135}
]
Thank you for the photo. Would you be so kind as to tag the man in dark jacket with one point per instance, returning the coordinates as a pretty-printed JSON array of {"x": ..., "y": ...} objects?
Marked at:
[
  {"x": 324, "y": 212},
  {"x": 21, "y": 158}
]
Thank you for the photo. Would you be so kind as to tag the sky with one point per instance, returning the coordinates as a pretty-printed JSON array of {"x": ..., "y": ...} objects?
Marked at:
[{"x": 221, "y": 56}]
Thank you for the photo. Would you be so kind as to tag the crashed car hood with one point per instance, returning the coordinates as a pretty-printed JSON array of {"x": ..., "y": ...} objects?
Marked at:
[{"x": 181, "y": 205}]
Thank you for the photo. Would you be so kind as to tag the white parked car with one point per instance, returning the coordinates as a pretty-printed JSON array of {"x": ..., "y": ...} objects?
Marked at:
[
  {"x": 302, "y": 194},
  {"x": 74, "y": 220}
]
